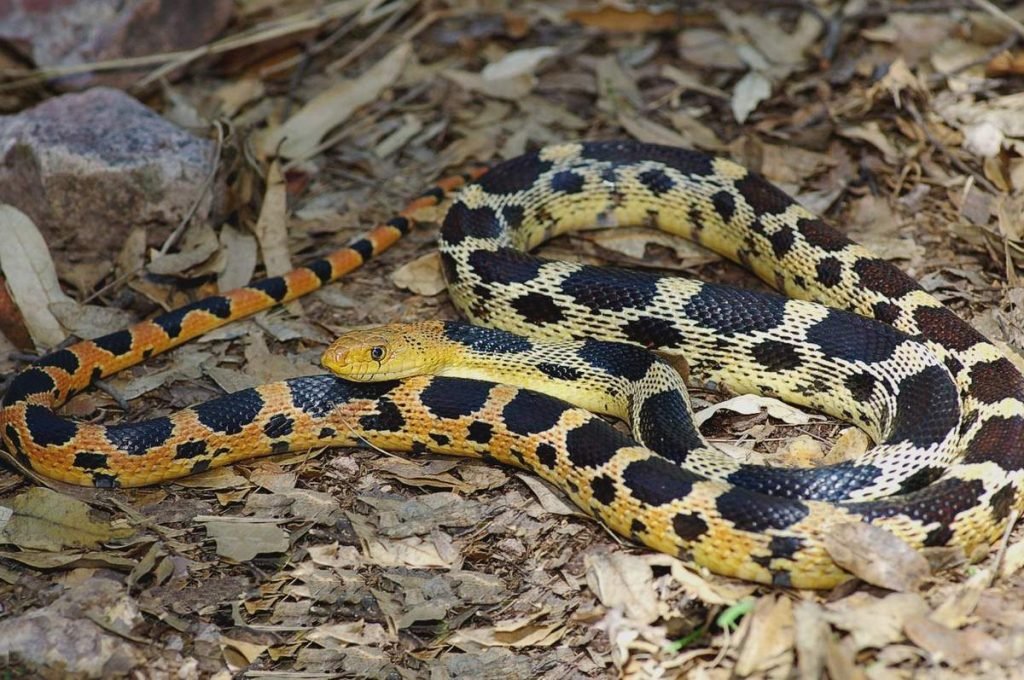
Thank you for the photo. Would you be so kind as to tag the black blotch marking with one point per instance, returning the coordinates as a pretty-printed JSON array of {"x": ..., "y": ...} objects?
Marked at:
[
  {"x": 685, "y": 161},
  {"x": 418, "y": 448},
  {"x": 547, "y": 455},
  {"x": 531, "y": 412},
  {"x": 30, "y": 381},
  {"x": 104, "y": 481},
  {"x": 326, "y": 433},
  {"x": 537, "y": 308},
  {"x": 513, "y": 215},
  {"x": 656, "y": 481},
  {"x": 190, "y": 449},
  {"x": 450, "y": 268},
  {"x": 318, "y": 395},
  {"x": 87, "y": 460},
  {"x": 463, "y": 222},
  {"x": 819, "y": 234},
  {"x": 364, "y": 247},
  {"x": 920, "y": 479},
  {"x": 607, "y": 289},
  {"x": 387, "y": 419},
  {"x": 927, "y": 408},
  {"x": 13, "y": 438},
  {"x": 782, "y": 241},
  {"x": 322, "y": 269},
  {"x": 46, "y": 428},
  {"x": 886, "y": 312},
  {"x": 218, "y": 306},
  {"x": 861, "y": 385},
  {"x": 998, "y": 441},
  {"x": 853, "y": 338},
  {"x": 756, "y": 513},
  {"x": 733, "y": 311},
  {"x": 480, "y": 432},
  {"x": 776, "y": 355},
  {"x": 725, "y": 204},
  {"x": 231, "y": 413},
  {"x": 441, "y": 439},
  {"x": 594, "y": 443},
  {"x": 200, "y": 466},
  {"x": 279, "y": 425},
  {"x": 881, "y": 277},
  {"x": 504, "y": 265},
  {"x": 514, "y": 175},
  {"x": 782, "y": 579},
  {"x": 940, "y": 502},
  {"x": 567, "y": 182},
  {"x": 831, "y": 482},
  {"x": 665, "y": 426},
  {"x": 274, "y": 287},
  {"x": 136, "y": 439},
  {"x": 280, "y": 447},
  {"x": 436, "y": 193},
  {"x": 487, "y": 340},
  {"x": 994, "y": 381},
  {"x": 943, "y": 326},
  {"x": 652, "y": 332},
  {"x": 830, "y": 272},
  {"x": 64, "y": 359},
  {"x": 688, "y": 526},
  {"x": 559, "y": 371},
  {"x": 603, "y": 488},
  {"x": 656, "y": 181},
  {"x": 616, "y": 358},
  {"x": 785, "y": 546},
  {"x": 636, "y": 527},
  {"x": 1002, "y": 502},
  {"x": 762, "y": 195},
  {"x": 454, "y": 398},
  {"x": 117, "y": 343},
  {"x": 402, "y": 224}
]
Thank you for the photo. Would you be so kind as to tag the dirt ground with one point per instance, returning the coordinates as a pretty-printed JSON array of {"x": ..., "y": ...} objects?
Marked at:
[{"x": 900, "y": 122}]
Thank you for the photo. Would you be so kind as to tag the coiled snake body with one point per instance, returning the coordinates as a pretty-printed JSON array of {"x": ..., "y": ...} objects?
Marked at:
[{"x": 970, "y": 437}]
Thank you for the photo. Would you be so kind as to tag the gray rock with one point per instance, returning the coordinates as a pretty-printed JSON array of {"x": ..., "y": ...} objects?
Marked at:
[
  {"x": 65, "y": 32},
  {"x": 86, "y": 167}
]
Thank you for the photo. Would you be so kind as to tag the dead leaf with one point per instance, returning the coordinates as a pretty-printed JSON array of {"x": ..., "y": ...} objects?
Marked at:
[
  {"x": 42, "y": 519},
  {"x": 749, "y": 404},
  {"x": 876, "y": 556},
  {"x": 751, "y": 90},
  {"x": 769, "y": 638},
  {"x": 421, "y": 276},
  {"x": 31, "y": 276},
  {"x": 298, "y": 138},
  {"x": 241, "y": 540}
]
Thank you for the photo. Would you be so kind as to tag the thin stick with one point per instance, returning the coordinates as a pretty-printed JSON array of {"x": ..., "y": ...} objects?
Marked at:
[{"x": 1001, "y": 15}]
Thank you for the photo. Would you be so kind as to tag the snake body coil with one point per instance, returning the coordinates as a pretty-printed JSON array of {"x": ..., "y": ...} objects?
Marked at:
[{"x": 746, "y": 340}]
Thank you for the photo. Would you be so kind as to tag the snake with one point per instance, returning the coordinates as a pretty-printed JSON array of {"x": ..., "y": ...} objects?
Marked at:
[
  {"x": 486, "y": 238},
  {"x": 647, "y": 392}
]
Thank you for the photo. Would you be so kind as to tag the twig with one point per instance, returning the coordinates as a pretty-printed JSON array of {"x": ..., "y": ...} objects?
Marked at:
[{"x": 1000, "y": 15}]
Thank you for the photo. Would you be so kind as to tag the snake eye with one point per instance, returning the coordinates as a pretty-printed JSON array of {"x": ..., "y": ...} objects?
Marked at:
[{"x": 377, "y": 353}]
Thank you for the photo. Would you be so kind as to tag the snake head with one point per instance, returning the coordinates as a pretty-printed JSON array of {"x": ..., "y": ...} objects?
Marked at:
[{"x": 388, "y": 352}]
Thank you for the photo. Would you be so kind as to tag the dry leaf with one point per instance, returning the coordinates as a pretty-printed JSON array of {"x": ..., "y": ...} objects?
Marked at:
[
  {"x": 243, "y": 540},
  {"x": 300, "y": 135},
  {"x": 751, "y": 90},
  {"x": 41, "y": 519},
  {"x": 876, "y": 556},
  {"x": 31, "y": 277},
  {"x": 749, "y": 404},
  {"x": 421, "y": 276},
  {"x": 769, "y": 638}
]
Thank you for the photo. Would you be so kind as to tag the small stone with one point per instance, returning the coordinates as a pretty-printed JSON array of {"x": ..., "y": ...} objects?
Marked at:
[{"x": 87, "y": 167}]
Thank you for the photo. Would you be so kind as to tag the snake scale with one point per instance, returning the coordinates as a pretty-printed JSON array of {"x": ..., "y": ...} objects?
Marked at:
[{"x": 961, "y": 499}]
